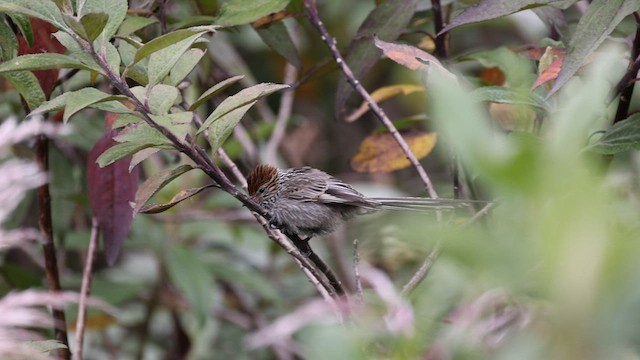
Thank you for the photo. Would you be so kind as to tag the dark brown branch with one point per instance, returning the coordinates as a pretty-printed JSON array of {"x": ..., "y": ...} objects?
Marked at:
[
  {"x": 442, "y": 48},
  {"x": 626, "y": 85},
  {"x": 48, "y": 246},
  {"x": 373, "y": 105}
]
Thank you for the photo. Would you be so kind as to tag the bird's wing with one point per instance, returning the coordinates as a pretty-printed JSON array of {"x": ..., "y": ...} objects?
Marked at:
[
  {"x": 314, "y": 185},
  {"x": 339, "y": 192},
  {"x": 305, "y": 184}
]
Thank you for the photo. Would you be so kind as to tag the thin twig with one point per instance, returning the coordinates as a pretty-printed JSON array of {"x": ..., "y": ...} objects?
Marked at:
[
  {"x": 356, "y": 271},
  {"x": 478, "y": 215},
  {"x": 284, "y": 113},
  {"x": 423, "y": 271},
  {"x": 226, "y": 160},
  {"x": 377, "y": 110},
  {"x": 48, "y": 246},
  {"x": 86, "y": 289}
]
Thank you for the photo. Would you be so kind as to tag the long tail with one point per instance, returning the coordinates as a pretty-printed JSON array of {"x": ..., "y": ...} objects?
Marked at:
[{"x": 421, "y": 204}]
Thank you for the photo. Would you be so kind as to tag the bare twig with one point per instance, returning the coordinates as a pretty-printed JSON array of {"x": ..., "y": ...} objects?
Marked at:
[
  {"x": 86, "y": 289},
  {"x": 423, "y": 271},
  {"x": 48, "y": 246},
  {"x": 377, "y": 110},
  {"x": 284, "y": 113},
  {"x": 233, "y": 167},
  {"x": 356, "y": 270},
  {"x": 482, "y": 212}
]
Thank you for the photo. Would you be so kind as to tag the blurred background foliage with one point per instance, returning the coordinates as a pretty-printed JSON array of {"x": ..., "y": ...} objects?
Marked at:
[{"x": 550, "y": 272}]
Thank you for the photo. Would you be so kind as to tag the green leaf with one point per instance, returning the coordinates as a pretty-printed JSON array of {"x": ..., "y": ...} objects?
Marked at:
[
  {"x": 190, "y": 276},
  {"x": 504, "y": 95},
  {"x": 222, "y": 127},
  {"x": 185, "y": 65},
  {"x": 388, "y": 20},
  {"x": 242, "y": 98},
  {"x": 83, "y": 98},
  {"x": 178, "y": 198},
  {"x": 215, "y": 90},
  {"x": 178, "y": 124},
  {"x": 492, "y": 9},
  {"x": 113, "y": 57},
  {"x": 162, "y": 61},
  {"x": 594, "y": 26},
  {"x": 134, "y": 23},
  {"x": 24, "y": 24},
  {"x": 28, "y": 86},
  {"x": 622, "y": 136},
  {"x": 156, "y": 182},
  {"x": 57, "y": 103},
  {"x": 169, "y": 39},
  {"x": 93, "y": 24},
  {"x": 238, "y": 12},
  {"x": 277, "y": 38},
  {"x": 43, "y": 10},
  {"x": 141, "y": 133},
  {"x": 8, "y": 42},
  {"x": 516, "y": 68},
  {"x": 116, "y": 11},
  {"x": 45, "y": 346},
  {"x": 44, "y": 61},
  {"x": 120, "y": 151},
  {"x": 161, "y": 98}
]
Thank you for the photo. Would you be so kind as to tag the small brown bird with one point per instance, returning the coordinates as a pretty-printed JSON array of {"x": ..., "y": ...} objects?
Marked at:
[{"x": 308, "y": 202}]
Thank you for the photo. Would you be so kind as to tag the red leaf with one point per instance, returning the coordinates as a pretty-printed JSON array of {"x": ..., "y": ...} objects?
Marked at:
[
  {"x": 43, "y": 42},
  {"x": 110, "y": 190},
  {"x": 550, "y": 73}
]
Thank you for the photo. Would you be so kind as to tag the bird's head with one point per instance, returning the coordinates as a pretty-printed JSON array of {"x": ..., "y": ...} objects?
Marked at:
[{"x": 262, "y": 183}]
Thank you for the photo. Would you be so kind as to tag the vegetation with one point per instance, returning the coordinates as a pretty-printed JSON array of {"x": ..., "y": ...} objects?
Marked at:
[{"x": 136, "y": 123}]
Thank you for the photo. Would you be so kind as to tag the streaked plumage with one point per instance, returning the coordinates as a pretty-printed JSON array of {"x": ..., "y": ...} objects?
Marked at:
[{"x": 308, "y": 201}]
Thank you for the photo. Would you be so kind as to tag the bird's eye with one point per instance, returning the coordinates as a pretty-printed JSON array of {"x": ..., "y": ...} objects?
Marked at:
[{"x": 261, "y": 190}]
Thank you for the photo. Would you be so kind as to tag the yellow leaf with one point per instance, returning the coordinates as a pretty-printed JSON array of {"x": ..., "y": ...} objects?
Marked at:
[
  {"x": 380, "y": 152},
  {"x": 382, "y": 94}
]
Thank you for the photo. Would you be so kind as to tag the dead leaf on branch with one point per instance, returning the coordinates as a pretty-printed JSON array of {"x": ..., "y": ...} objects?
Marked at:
[{"x": 380, "y": 152}]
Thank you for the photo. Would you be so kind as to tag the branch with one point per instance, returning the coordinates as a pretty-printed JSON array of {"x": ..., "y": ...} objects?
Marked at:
[
  {"x": 377, "y": 110},
  {"x": 48, "y": 246},
  {"x": 423, "y": 271},
  {"x": 442, "y": 48},
  {"x": 86, "y": 289},
  {"x": 625, "y": 86}
]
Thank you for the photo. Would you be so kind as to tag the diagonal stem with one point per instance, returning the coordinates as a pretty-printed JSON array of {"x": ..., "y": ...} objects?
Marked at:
[{"x": 373, "y": 105}]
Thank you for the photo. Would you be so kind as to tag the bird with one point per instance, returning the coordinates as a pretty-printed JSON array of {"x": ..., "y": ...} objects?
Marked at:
[{"x": 309, "y": 202}]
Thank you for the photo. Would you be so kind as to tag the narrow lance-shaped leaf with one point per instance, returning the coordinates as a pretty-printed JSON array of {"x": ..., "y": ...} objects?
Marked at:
[
  {"x": 169, "y": 39},
  {"x": 598, "y": 22},
  {"x": 238, "y": 12},
  {"x": 116, "y": 11},
  {"x": 83, "y": 98},
  {"x": 503, "y": 95},
  {"x": 492, "y": 9},
  {"x": 111, "y": 189},
  {"x": 156, "y": 182},
  {"x": 161, "y": 62},
  {"x": 220, "y": 129},
  {"x": 622, "y": 136},
  {"x": 243, "y": 97},
  {"x": 215, "y": 90},
  {"x": 277, "y": 37},
  {"x": 44, "y": 61},
  {"x": 178, "y": 198}
]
